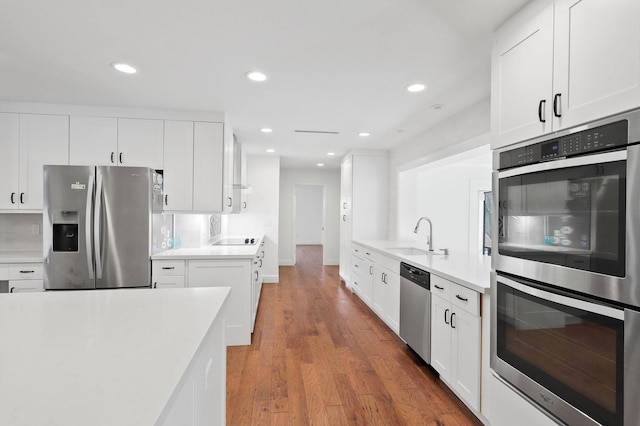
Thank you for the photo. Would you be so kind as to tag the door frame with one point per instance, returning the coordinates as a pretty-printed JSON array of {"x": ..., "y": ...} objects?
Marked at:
[{"x": 294, "y": 219}]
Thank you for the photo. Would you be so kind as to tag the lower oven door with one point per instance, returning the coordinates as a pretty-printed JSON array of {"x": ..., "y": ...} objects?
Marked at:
[{"x": 564, "y": 352}]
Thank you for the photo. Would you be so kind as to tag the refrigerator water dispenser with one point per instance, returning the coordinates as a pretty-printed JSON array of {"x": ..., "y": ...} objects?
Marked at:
[{"x": 65, "y": 231}]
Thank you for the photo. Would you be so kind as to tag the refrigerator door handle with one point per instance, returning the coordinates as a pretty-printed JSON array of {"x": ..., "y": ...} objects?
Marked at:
[
  {"x": 96, "y": 227},
  {"x": 87, "y": 230}
]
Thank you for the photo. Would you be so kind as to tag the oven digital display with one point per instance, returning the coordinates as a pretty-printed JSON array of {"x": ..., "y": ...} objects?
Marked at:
[{"x": 549, "y": 150}]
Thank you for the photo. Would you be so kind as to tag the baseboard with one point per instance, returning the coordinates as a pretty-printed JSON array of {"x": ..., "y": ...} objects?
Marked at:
[
  {"x": 332, "y": 262},
  {"x": 286, "y": 262},
  {"x": 270, "y": 279}
]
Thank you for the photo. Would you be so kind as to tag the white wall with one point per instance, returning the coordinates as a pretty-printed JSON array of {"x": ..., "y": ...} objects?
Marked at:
[
  {"x": 446, "y": 192},
  {"x": 309, "y": 213},
  {"x": 466, "y": 130},
  {"x": 261, "y": 217},
  {"x": 288, "y": 179}
]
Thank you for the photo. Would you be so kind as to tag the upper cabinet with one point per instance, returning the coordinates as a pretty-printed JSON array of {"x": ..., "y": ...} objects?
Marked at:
[
  {"x": 106, "y": 141},
  {"x": 29, "y": 141},
  {"x": 557, "y": 65},
  {"x": 208, "y": 167},
  {"x": 178, "y": 165}
]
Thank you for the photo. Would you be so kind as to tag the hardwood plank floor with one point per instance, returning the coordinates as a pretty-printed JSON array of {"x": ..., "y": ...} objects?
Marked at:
[{"x": 320, "y": 356}]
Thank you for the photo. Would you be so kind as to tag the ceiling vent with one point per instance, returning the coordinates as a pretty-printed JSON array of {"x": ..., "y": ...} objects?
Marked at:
[{"x": 322, "y": 132}]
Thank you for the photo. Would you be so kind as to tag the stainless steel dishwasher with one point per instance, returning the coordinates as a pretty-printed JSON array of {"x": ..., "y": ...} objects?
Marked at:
[{"x": 415, "y": 310}]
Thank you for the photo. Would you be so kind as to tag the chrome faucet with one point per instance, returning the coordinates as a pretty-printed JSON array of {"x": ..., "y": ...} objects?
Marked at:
[{"x": 430, "y": 236}]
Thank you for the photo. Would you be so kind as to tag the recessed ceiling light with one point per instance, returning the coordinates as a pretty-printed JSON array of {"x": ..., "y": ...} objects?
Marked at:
[
  {"x": 266, "y": 130},
  {"x": 270, "y": 150},
  {"x": 125, "y": 68},
  {"x": 437, "y": 106},
  {"x": 330, "y": 154},
  {"x": 320, "y": 165},
  {"x": 256, "y": 76},
  {"x": 364, "y": 134},
  {"x": 416, "y": 87}
]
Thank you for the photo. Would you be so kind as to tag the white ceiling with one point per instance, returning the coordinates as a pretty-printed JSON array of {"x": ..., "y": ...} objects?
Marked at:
[{"x": 333, "y": 65}]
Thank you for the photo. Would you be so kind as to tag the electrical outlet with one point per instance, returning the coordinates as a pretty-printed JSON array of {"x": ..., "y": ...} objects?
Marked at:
[{"x": 35, "y": 229}]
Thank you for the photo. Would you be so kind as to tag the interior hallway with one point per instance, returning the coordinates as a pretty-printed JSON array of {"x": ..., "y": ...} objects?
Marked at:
[{"x": 320, "y": 356}]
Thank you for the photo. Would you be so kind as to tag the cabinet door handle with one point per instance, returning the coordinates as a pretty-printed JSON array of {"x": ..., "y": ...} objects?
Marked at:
[
  {"x": 113, "y": 157},
  {"x": 556, "y": 105},
  {"x": 168, "y": 267},
  {"x": 256, "y": 272},
  {"x": 262, "y": 253},
  {"x": 344, "y": 205},
  {"x": 230, "y": 201},
  {"x": 22, "y": 198},
  {"x": 453, "y": 314},
  {"x": 355, "y": 282},
  {"x": 540, "y": 107},
  {"x": 120, "y": 158},
  {"x": 244, "y": 204},
  {"x": 344, "y": 217},
  {"x": 261, "y": 263},
  {"x": 166, "y": 200},
  {"x": 370, "y": 270},
  {"x": 446, "y": 321},
  {"x": 13, "y": 196},
  {"x": 12, "y": 288},
  {"x": 464, "y": 299},
  {"x": 356, "y": 265},
  {"x": 438, "y": 287},
  {"x": 155, "y": 285}
]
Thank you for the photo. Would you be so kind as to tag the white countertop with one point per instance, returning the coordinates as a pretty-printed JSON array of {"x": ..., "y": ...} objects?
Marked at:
[
  {"x": 21, "y": 256},
  {"x": 99, "y": 357},
  {"x": 467, "y": 269},
  {"x": 247, "y": 251}
]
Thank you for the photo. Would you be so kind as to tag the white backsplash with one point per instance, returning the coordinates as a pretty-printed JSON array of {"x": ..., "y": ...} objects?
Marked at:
[
  {"x": 18, "y": 231},
  {"x": 196, "y": 230}
]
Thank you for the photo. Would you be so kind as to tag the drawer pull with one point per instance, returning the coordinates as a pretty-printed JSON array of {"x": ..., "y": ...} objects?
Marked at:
[
  {"x": 168, "y": 267},
  {"x": 27, "y": 272},
  {"x": 12, "y": 288},
  {"x": 464, "y": 299},
  {"x": 438, "y": 287}
]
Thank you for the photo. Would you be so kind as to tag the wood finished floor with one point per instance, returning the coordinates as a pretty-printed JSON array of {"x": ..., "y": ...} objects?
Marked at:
[{"x": 319, "y": 356}]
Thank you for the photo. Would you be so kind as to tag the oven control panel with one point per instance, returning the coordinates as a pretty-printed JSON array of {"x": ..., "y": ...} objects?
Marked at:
[{"x": 576, "y": 143}]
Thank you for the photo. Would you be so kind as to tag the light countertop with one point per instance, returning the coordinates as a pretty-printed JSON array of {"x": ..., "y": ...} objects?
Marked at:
[
  {"x": 247, "y": 251},
  {"x": 467, "y": 269},
  {"x": 21, "y": 256},
  {"x": 100, "y": 357}
]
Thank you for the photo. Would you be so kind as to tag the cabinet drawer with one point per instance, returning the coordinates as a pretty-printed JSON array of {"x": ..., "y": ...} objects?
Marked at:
[
  {"x": 390, "y": 263},
  {"x": 25, "y": 271},
  {"x": 167, "y": 268},
  {"x": 361, "y": 251},
  {"x": 440, "y": 286},
  {"x": 358, "y": 265},
  {"x": 26, "y": 286},
  {"x": 465, "y": 298},
  {"x": 168, "y": 282}
]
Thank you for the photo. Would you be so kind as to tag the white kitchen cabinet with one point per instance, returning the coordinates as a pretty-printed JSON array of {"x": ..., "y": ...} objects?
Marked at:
[
  {"x": 553, "y": 67},
  {"x": 363, "y": 202},
  {"x": 257, "y": 278},
  {"x": 168, "y": 274},
  {"x": 362, "y": 274},
  {"x": 111, "y": 141},
  {"x": 228, "y": 171},
  {"x": 228, "y": 273},
  {"x": 455, "y": 338},
  {"x": 9, "y": 161},
  {"x": 208, "y": 167},
  {"x": 386, "y": 290},
  {"x": 178, "y": 165},
  {"x": 140, "y": 143},
  {"x": 93, "y": 141},
  {"x": 25, "y": 277}
]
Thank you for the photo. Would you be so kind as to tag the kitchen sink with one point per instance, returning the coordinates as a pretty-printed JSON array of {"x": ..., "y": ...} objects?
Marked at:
[{"x": 411, "y": 251}]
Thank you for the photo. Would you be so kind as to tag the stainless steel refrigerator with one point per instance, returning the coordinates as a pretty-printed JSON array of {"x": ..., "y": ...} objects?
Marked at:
[{"x": 101, "y": 225}]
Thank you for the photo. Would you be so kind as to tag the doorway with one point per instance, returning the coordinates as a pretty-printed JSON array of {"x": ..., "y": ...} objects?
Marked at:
[{"x": 309, "y": 211}]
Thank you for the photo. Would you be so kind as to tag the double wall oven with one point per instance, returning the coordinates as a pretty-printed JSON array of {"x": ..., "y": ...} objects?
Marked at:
[{"x": 565, "y": 328}]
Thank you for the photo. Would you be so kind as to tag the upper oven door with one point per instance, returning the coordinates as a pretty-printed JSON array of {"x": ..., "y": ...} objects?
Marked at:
[
  {"x": 568, "y": 212},
  {"x": 607, "y": 267}
]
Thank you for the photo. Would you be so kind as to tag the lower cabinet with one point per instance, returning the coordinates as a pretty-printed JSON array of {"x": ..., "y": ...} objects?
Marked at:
[
  {"x": 244, "y": 276},
  {"x": 455, "y": 338},
  {"x": 386, "y": 296},
  {"x": 24, "y": 277},
  {"x": 362, "y": 277}
]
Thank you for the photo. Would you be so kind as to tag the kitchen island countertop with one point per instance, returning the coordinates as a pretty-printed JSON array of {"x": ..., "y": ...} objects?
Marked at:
[
  {"x": 100, "y": 357},
  {"x": 470, "y": 270}
]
